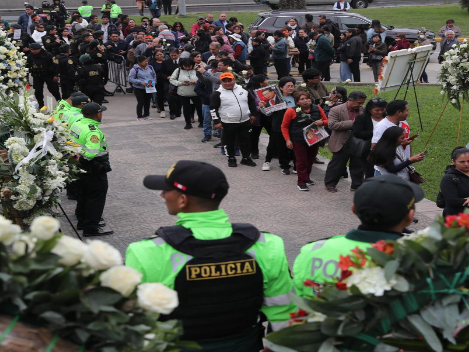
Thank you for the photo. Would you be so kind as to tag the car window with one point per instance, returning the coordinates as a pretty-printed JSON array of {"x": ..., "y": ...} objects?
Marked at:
[
  {"x": 269, "y": 22},
  {"x": 280, "y": 21},
  {"x": 258, "y": 21},
  {"x": 353, "y": 22}
]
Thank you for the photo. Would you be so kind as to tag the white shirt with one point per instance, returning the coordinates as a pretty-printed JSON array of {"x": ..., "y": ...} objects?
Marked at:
[
  {"x": 404, "y": 173},
  {"x": 341, "y": 6},
  {"x": 37, "y": 37}
]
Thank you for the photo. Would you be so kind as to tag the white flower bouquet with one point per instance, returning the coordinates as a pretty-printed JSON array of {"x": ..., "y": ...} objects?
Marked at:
[{"x": 13, "y": 71}]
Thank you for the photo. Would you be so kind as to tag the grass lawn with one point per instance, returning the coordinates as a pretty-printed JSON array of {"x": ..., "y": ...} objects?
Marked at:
[
  {"x": 430, "y": 17},
  {"x": 431, "y": 103}
]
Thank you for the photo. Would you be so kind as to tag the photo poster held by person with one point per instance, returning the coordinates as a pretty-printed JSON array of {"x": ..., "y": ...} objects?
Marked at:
[
  {"x": 314, "y": 134},
  {"x": 273, "y": 98},
  {"x": 150, "y": 87}
]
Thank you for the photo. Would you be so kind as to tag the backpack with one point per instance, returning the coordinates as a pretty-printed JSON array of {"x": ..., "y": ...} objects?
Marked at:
[{"x": 440, "y": 198}]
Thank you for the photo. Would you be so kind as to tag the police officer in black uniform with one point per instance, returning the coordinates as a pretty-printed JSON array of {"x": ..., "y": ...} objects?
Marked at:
[
  {"x": 90, "y": 79},
  {"x": 59, "y": 13},
  {"x": 68, "y": 71},
  {"x": 98, "y": 55},
  {"x": 99, "y": 36},
  {"x": 86, "y": 38},
  {"x": 24, "y": 41},
  {"x": 51, "y": 41},
  {"x": 75, "y": 43},
  {"x": 44, "y": 68}
]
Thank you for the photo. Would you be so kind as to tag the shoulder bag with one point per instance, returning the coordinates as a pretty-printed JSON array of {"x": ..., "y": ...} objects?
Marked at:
[
  {"x": 414, "y": 176},
  {"x": 356, "y": 146},
  {"x": 173, "y": 90}
]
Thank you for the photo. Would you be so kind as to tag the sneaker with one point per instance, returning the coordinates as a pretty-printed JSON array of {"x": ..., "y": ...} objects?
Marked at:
[
  {"x": 254, "y": 155},
  {"x": 232, "y": 162},
  {"x": 248, "y": 162},
  {"x": 200, "y": 125},
  {"x": 237, "y": 152},
  {"x": 222, "y": 151},
  {"x": 188, "y": 126},
  {"x": 317, "y": 161},
  {"x": 218, "y": 145},
  {"x": 266, "y": 166},
  {"x": 140, "y": 119},
  {"x": 286, "y": 172},
  {"x": 310, "y": 182},
  {"x": 162, "y": 114},
  {"x": 153, "y": 105},
  {"x": 206, "y": 139},
  {"x": 172, "y": 117},
  {"x": 294, "y": 171},
  {"x": 148, "y": 118},
  {"x": 303, "y": 188}
]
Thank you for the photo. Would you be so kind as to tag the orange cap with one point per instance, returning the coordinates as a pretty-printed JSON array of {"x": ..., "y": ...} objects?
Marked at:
[{"x": 227, "y": 75}]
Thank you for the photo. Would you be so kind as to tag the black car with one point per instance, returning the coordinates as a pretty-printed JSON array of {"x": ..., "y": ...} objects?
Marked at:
[
  {"x": 356, "y": 4},
  {"x": 274, "y": 20}
]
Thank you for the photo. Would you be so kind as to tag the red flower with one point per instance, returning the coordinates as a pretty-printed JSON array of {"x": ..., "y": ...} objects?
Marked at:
[
  {"x": 310, "y": 283},
  {"x": 455, "y": 221},
  {"x": 382, "y": 246},
  {"x": 344, "y": 274},
  {"x": 341, "y": 286},
  {"x": 299, "y": 314},
  {"x": 345, "y": 262}
]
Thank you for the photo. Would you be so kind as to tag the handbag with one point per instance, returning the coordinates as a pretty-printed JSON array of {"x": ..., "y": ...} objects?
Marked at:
[
  {"x": 356, "y": 146},
  {"x": 414, "y": 176},
  {"x": 173, "y": 90},
  {"x": 293, "y": 51},
  {"x": 375, "y": 57}
]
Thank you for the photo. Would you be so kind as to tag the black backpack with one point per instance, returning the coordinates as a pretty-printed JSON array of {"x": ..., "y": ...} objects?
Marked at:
[
  {"x": 220, "y": 289},
  {"x": 440, "y": 198}
]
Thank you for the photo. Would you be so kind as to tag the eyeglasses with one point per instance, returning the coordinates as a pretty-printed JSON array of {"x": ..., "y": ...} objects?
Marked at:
[{"x": 378, "y": 100}]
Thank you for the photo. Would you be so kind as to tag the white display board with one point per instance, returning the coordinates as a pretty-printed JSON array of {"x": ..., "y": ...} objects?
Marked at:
[{"x": 396, "y": 65}]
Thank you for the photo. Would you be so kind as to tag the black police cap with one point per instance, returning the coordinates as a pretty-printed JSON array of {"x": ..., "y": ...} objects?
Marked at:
[
  {"x": 16, "y": 26},
  {"x": 35, "y": 46},
  {"x": 92, "y": 109},
  {"x": 80, "y": 99}
]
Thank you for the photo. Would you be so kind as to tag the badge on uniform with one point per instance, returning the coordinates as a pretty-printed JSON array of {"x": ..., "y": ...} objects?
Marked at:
[
  {"x": 92, "y": 127},
  {"x": 98, "y": 55},
  {"x": 94, "y": 139},
  {"x": 55, "y": 61},
  {"x": 47, "y": 41},
  {"x": 70, "y": 62},
  {"x": 210, "y": 271}
]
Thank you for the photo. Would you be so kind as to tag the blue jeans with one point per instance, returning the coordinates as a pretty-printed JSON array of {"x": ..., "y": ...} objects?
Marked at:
[
  {"x": 345, "y": 72},
  {"x": 207, "y": 120},
  {"x": 377, "y": 173}
]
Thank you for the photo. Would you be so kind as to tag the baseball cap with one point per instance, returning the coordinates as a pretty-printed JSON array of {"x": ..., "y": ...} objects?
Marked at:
[
  {"x": 195, "y": 178},
  {"x": 201, "y": 18},
  {"x": 97, "y": 33},
  {"x": 385, "y": 200},
  {"x": 35, "y": 46},
  {"x": 85, "y": 35},
  {"x": 80, "y": 99},
  {"x": 92, "y": 108},
  {"x": 76, "y": 94},
  {"x": 227, "y": 75}
]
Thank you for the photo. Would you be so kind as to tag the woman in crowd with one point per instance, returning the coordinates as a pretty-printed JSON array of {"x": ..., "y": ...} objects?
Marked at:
[
  {"x": 401, "y": 43},
  {"x": 337, "y": 96},
  {"x": 131, "y": 60},
  {"x": 455, "y": 183},
  {"x": 185, "y": 78},
  {"x": 202, "y": 41},
  {"x": 64, "y": 36},
  {"x": 197, "y": 57},
  {"x": 186, "y": 51},
  {"x": 223, "y": 45},
  {"x": 421, "y": 41},
  {"x": 119, "y": 27},
  {"x": 211, "y": 31},
  {"x": 285, "y": 155},
  {"x": 158, "y": 99},
  {"x": 301, "y": 43},
  {"x": 388, "y": 157},
  {"x": 376, "y": 28},
  {"x": 140, "y": 76},
  {"x": 363, "y": 128},
  {"x": 304, "y": 114},
  {"x": 344, "y": 69},
  {"x": 376, "y": 52},
  {"x": 178, "y": 27}
]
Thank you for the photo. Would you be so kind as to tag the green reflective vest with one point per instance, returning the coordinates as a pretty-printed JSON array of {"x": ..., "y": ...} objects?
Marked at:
[
  {"x": 85, "y": 10},
  {"x": 319, "y": 261},
  {"x": 71, "y": 116},
  {"x": 87, "y": 134},
  {"x": 115, "y": 11},
  {"x": 62, "y": 107},
  {"x": 159, "y": 262}
]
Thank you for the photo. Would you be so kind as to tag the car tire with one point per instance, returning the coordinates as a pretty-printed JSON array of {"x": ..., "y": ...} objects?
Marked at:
[{"x": 359, "y": 4}]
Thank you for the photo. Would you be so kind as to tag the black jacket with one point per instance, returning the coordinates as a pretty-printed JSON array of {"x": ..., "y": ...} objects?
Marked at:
[
  {"x": 68, "y": 67},
  {"x": 204, "y": 89},
  {"x": 353, "y": 47},
  {"x": 363, "y": 127},
  {"x": 301, "y": 44},
  {"x": 43, "y": 64},
  {"x": 258, "y": 56},
  {"x": 455, "y": 189},
  {"x": 167, "y": 69}
]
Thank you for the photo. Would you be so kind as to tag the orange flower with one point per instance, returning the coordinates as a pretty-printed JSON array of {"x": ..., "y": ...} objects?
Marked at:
[
  {"x": 385, "y": 60},
  {"x": 341, "y": 286},
  {"x": 375, "y": 90},
  {"x": 345, "y": 262},
  {"x": 455, "y": 221},
  {"x": 382, "y": 246},
  {"x": 380, "y": 77}
]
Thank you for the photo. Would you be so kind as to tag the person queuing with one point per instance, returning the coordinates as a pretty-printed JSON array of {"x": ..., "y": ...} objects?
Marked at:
[
  {"x": 454, "y": 185},
  {"x": 228, "y": 304},
  {"x": 449, "y": 27},
  {"x": 94, "y": 160},
  {"x": 168, "y": 67},
  {"x": 305, "y": 113},
  {"x": 376, "y": 52},
  {"x": 142, "y": 76}
]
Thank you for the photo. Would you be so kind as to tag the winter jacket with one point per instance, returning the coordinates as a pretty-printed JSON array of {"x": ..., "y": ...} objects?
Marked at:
[
  {"x": 302, "y": 44},
  {"x": 323, "y": 51},
  {"x": 341, "y": 50},
  {"x": 203, "y": 88},
  {"x": 280, "y": 50},
  {"x": 232, "y": 106},
  {"x": 455, "y": 189},
  {"x": 23, "y": 21},
  {"x": 180, "y": 75},
  {"x": 258, "y": 56},
  {"x": 353, "y": 47},
  {"x": 138, "y": 75}
]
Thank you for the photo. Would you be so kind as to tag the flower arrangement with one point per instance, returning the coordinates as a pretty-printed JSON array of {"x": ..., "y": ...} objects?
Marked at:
[
  {"x": 409, "y": 294},
  {"x": 82, "y": 291},
  {"x": 454, "y": 74},
  {"x": 13, "y": 71},
  {"x": 38, "y": 161}
]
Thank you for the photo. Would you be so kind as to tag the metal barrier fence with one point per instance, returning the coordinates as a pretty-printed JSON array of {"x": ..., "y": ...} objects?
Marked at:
[{"x": 118, "y": 72}]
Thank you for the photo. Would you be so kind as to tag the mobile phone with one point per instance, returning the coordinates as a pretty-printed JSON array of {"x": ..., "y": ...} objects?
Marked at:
[
  {"x": 413, "y": 137},
  {"x": 425, "y": 152}
]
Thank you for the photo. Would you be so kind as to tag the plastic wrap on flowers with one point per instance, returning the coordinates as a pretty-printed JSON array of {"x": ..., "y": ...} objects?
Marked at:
[
  {"x": 13, "y": 71},
  {"x": 39, "y": 158}
]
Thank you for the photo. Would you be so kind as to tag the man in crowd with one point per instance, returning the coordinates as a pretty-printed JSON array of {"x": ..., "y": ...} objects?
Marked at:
[
  {"x": 25, "y": 39},
  {"x": 353, "y": 52},
  {"x": 221, "y": 22},
  {"x": 214, "y": 49},
  {"x": 38, "y": 33},
  {"x": 67, "y": 70},
  {"x": 168, "y": 66},
  {"x": 385, "y": 206},
  {"x": 85, "y": 10},
  {"x": 25, "y": 20},
  {"x": 44, "y": 68},
  {"x": 279, "y": 54},
  {"x": 116, "y": 45},
  {"x": 106, "y": 27},
  {"x": 446, "y": 44},
  {"x": 94, "y": 159},
  {"x": 50, "y": 41},
  {"x": 90, "y": 79},
  {"x": 209, "y": 19},
  {"x": 240, "y": 51},
  {"x": 323, "y": 53},
  {"x": 233, "y": 109},
  {"x": 198, "y": 25},
  {"x": 312, "y": 78},
  {"x": 115, "y": 11},
  {"x": 340, "y": 121},
  {"x": 227, "y": 303},
  {"x": 449, "y": 27}
]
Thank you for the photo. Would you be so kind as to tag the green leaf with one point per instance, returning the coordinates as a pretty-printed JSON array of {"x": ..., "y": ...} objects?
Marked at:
[
  {"x": 378, "y": 256},
  {"x": 104, "y": 296},
  {"x": 82, "y": 334},
  {"x": 53, "y": 317},
  {"x": 402, "y": 285},
  {"x": 301, "y": 303},
  {"x": 301, "y": 337},
  {"x": 328, "y": 346},
  {"x": 390, "y": 269},
  {"x": 422, "y": 252},
  {"x": 139, "y": 328},
  {"x": 43, "y": 261},
  {"x": 427, "y": 332}
]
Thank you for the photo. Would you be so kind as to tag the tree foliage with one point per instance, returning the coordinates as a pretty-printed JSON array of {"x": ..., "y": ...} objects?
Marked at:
[
  {"x": 301, "y": 4},
  {"x": 464, "y": 4}
]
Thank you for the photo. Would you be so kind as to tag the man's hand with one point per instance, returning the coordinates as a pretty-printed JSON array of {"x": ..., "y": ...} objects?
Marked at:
[
  {"x": 56, "y": 78},
  {"x": 144, "y": 83},
  {"x": 349, "y": 61},
  {"x": 262, "y": 104},
  {"x": 201, "y": 69},
  {"x": 218, "y": 126},
  {"x": 252, "y": 118},
  {"x": 318, "y": 123},
  {"x": 289, "y": 144}
]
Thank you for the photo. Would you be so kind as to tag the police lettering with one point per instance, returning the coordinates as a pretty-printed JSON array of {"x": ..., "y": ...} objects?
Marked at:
[
  {"x": 329, "y": 269},
  {"x": 94, "y": 73},
  {"x": 220, "y": 270}
]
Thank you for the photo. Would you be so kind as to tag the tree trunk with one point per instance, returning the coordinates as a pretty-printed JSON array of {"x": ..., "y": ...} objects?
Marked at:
[{"x": 292, "y": 4}]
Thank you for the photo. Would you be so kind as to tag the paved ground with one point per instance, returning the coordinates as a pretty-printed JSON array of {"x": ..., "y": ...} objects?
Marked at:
[{"x": 269, "y": 200}]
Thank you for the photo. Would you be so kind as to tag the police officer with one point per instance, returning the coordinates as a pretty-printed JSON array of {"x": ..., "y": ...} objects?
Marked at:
[
  {"x": 106, "y": 9},
  {"x": 60, "y": 14},
  {"x": 85, "y": 10},
  {"x": 384, "y": 204},
  {"x": 24, "y": 41},
  {"x": 115, "y": 11},
  {"x": 86, "y": 38},
  {"x": 94, "y": 159},
  {"x": 90, "y": 79},
  {"x": 76, "y": 41},
  {"x": 64, "y": 105},
  {"x": 75, "y": 114},
  {"x": 68, "y": 71},
  {"x": 98, "y": 55},
  {"x": 50, "y": 41},
  {"x": 225, "y": 274},
  {"x": 44, "y": 68},
  {"x": 99, "y": 36}
]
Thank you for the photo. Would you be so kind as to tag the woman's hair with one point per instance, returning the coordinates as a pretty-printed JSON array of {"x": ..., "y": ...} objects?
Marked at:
[
  {"x": 220, "y": 40},
  {"x": 194, "y": 54},
  {"x": 255, "y": 81},
  {"x": 374, "y": 103},
  {"x": 458, "y": 151},
  {"x": 376, "y": 35},
  {"x": 141, "y": 58},
  {"x": 285, "y": 80},
  {"x": 186, "y": 62},
  {"x": 212, "y": 26},
  {"x": 384, "y": 151},
  {"x": 341, "y": 92},
  {"x": 179, "y": 24},
  {"x": 156, "y": 51},
  {"x": 376, "y": 25},
  {"x": 298, "y": 94}
]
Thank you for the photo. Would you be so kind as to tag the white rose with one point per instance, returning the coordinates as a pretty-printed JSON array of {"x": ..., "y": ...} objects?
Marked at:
[
  {"x": 303, "y": 85},
  {"x": 8, "y": 231},
  {"x": 70, "y": 249},
  {"x": 44, "y": 227},
  {"x": 101, "y": 256},
  {"x": 122, "y": 279},
  {"x": 23, "y": 245},
  {"x": 453, "y": 101},
  {"x": 156, "y": 297}
]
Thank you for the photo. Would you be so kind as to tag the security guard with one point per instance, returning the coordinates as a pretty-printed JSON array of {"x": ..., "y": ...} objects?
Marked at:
[
  {"x": 64, "y": 105},
  {"x": 90, "y": 79},
  {"x": 99, "y": 36},
  {"x": 68, "y": 71},
  {"x": 76, "y": 41},
  {"x": 85, "y": 10},
  {"x": 75, "y": 114},
  {"x": 86, "y": 38},
  {"x": 225, "y": 274},
  {"x": 24, "y": 41},
  {"x": 94, "y": 159},
  {"x": 384, "y": 204},
  {"x": 44, "y": 68},
  {"x": 115, "y": 11},
  {"x": 50, "y": 41},
  {"x": 106, "y": 9},
  {"x": 60, "y": 13}
]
